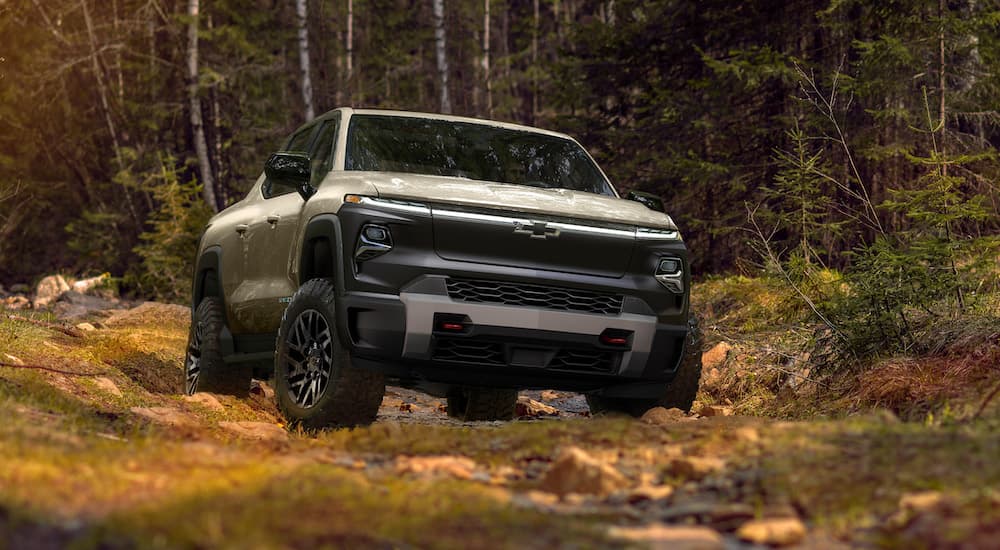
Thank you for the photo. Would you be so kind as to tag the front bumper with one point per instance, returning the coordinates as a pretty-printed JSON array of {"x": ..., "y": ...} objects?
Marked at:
[{"x": 503, "y": 345}]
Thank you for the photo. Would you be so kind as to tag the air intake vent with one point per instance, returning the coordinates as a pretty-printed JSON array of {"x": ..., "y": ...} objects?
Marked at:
[{"x": 520, "y": 294}]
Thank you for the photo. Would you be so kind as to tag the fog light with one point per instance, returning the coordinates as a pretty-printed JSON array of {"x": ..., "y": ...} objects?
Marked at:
[
  {"x": 373, "y": 241},
  {"x": 670, "y": 274}
]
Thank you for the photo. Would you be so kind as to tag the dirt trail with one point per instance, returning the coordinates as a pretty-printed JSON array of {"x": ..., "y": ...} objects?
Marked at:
[{"x": 117, "y": 459}]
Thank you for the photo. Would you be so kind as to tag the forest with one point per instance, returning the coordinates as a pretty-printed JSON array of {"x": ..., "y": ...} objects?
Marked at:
[
  {"x": 832, "y": 166},
  {"x": 839, "y": 124},
  {"x": 845, "y": 148}
]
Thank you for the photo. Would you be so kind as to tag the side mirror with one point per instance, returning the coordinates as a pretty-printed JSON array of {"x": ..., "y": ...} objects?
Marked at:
[
  {"x": 290, "y": 170},
  {"x": 648, "y": 200}
]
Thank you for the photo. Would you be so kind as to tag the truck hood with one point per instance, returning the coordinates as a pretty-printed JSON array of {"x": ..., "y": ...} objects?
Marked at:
[{"x": 516, "y": 198}]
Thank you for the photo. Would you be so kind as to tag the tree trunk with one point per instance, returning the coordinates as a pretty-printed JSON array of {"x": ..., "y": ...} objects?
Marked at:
[
  {"x": 307, "y": 92},
  {"x": 442, "y": 54},
  {"x": 349, "y": 57},
  {"x": 197, "y": 126},
  {"x": 534, "y": 66},
  {"x": 486, "y": 58}
]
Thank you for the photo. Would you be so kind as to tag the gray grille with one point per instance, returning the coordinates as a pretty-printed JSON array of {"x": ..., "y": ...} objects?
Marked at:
[
  {"x": 520, "y": 294},
  {"x": 583, "y": 360}
]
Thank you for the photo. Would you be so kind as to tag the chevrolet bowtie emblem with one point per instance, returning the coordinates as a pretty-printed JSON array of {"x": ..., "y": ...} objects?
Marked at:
[{"x": 535, "y": 230}]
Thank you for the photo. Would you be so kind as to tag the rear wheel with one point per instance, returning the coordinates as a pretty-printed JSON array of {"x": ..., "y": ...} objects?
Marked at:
[
  {"x": 474, "y": 404},
  {"x": 204, "y": 369},
  {"x": 315, "y": 384},
  {"x": 680, "y": 393}
]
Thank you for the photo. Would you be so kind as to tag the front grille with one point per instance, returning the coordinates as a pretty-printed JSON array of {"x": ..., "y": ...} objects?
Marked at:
[
  {"x": 470, "y": 351},
  {"x": 583, "y": 360},
  {"x": 520, "y": 294},
  {"x": 480, "y": 351}
]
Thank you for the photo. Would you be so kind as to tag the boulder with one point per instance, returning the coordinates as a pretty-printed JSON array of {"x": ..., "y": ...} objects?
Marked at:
[
  {"x": 575, "y": 471},
  {"x": 773, "y": 532},
  {"x": 206, "y": 400},
  {"x": 49, "y": 290},
  {"x": 108, "y": 385},
  {"x": 74, "y": 305},
  {"x": 716, "y": 356}
]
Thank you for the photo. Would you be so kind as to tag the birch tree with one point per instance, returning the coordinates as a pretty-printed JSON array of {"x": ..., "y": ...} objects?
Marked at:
[
  {"x": 301, "y": 10},
  {"x": 486, "y": 58},
  {"x": 442, "y": 54},
  {"x": 197, "y": 126}
]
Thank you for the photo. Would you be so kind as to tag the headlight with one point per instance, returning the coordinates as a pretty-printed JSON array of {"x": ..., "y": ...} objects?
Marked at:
[
  {"x": 650, "y": 233},
  {"x": 388, "y": 204}
]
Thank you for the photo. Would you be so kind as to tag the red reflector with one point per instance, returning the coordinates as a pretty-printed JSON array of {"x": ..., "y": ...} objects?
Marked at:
[
  {"x": 614, "y": 340},
  {"x": 458, "y": 327}
]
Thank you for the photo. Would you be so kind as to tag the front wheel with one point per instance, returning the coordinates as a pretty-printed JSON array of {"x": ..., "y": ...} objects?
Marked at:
[
  {"x": 315, "y": 384},
  {"x": 680, "y": 393}
]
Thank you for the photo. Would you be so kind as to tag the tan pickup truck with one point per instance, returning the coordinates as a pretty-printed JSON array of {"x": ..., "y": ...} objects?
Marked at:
[{"x": 466, "y": 258}]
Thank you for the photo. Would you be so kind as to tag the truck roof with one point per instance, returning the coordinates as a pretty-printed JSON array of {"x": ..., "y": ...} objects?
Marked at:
[{"x": 452, "y": 118}]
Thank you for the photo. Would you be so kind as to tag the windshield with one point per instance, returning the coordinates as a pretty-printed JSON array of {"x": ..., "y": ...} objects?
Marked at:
[{"x": 382, "y": 143}]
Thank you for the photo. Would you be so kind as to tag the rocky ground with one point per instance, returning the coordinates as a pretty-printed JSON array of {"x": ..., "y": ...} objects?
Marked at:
[{"x": 98, "y": 449}]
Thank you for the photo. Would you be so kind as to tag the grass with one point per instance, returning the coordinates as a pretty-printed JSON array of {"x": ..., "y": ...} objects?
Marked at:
[{"x": 79, "y": 469}]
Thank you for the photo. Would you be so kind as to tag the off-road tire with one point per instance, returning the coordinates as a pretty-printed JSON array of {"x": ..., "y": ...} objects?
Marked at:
[
  {"x": 204, "y": 368},
  {"x": 476, "y": 404},
  {"x": 350, "y": 396},
  {"x": 680, "y": 393}
]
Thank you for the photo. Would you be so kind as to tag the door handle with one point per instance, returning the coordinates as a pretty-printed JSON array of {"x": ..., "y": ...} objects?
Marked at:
[
  {"x": 273, "y": 219},
  {"x": 242, "y": 228}
]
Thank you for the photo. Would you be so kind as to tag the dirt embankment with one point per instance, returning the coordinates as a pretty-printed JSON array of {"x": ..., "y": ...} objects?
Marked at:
[{"x": 98, "y": 449}]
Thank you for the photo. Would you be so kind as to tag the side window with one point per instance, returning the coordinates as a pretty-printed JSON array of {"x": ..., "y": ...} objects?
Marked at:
[
  {"x": 322, "y": 157},
  {"x": 298, "y": 142}
]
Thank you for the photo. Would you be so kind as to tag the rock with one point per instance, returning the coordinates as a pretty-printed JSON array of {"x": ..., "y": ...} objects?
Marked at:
[
  {"x": 108, "y": 385},
  {"x": 648, "y": 492},
  {"x": 164, "y": 415},
  {"x": 84, "y": 286},
  {"x": 745, "y": 434},
  {"x": 659, "y": 416},
  {"x": 773, "y": 532},
  {"x": 3, "y": 292},
  {"x": 206, "y": 400},
  {"x": 695, "y": 467},
  {"x": 549, "y": 395},
  {"x": 16, "y": 302},
  {"x": 715, "y": 410},
  {"x": 49, "y": 290},
  {"x": 20, "y": 288},
  {"x": 529, "y": 407},
  {"x": 920, "y": 502},
  {"x": 73, "y": 305},
  {"x": 458, "y": 467},
  {"x": 659, "y": 536},
  {"x": 575, "y": 471},
  {"x": 86, "y": 327},
  {"x": 716, "y": 356},
  {"x": 262, "y": 389},
  {"x": 264, "y": 431}
]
